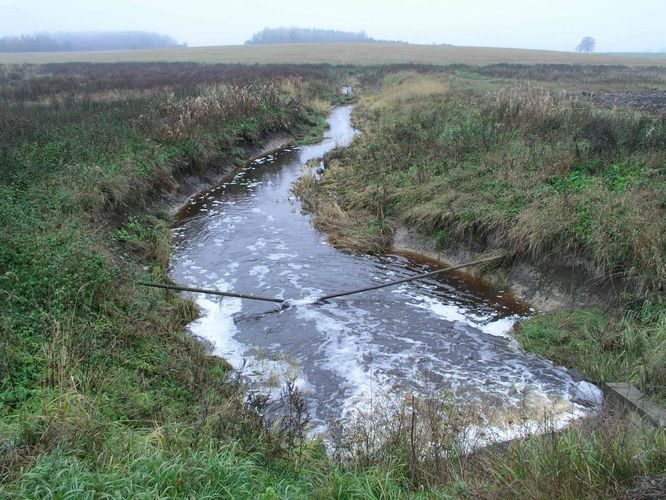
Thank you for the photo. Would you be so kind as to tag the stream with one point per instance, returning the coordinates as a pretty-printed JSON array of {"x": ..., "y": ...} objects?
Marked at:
[{"x": 446, "y": 337}]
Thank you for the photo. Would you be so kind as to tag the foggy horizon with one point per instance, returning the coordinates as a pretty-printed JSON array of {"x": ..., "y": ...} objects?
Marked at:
[{"x": 516, "y": 24}]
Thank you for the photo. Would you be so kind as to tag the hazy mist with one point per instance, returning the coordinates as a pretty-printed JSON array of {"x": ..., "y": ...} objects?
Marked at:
[{"x": 618, "y": 26}]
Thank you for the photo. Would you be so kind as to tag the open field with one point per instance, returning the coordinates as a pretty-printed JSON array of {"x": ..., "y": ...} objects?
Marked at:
[
  {"x": 355, "y": 54},
  {"x": 648, "y": 55}
]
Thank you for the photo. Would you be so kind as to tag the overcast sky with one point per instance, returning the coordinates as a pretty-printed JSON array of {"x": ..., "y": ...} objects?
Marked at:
[{"x": 617, "y": 25}]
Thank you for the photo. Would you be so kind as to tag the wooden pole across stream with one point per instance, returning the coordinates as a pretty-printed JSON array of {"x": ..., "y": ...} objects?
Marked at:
[
  {"x": 212, "y": 292},
  {"x": 406, "y": 280},
  {"x": 285, "y": 303}
]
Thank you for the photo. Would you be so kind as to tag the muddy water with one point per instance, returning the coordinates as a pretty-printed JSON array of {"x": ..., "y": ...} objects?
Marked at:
[{"x": 446, "y": 337}]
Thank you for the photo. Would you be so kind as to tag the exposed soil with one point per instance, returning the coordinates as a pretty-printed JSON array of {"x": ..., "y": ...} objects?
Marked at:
[
  {"x": 653, "y": 101},
  {"x": 546, "y": 288}
]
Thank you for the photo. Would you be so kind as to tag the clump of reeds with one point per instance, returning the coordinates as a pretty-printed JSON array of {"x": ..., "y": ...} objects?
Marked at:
[{"x": 225, "y": 102}]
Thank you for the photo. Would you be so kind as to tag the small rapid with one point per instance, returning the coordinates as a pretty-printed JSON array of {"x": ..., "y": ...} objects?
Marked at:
[{"x": 447, "y": 336}]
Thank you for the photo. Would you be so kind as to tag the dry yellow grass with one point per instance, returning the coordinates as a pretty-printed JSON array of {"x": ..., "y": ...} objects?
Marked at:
[
  {"x": 358, "y": 54},
  {"x": 345, "y": 230},
  {"x": 408, "y": 87}
]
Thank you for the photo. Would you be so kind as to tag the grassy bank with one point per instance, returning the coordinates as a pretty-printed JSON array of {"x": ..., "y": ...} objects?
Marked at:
[
  {"x": 102, "y": 391},
  {"x": 88, "y": 358},
  {"x": 535, "y": 173},
  {"x": 79, "y": 170}
]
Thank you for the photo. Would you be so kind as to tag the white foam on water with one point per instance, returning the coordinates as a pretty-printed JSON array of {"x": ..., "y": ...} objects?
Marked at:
[
  {"x": 346, "y": 349},
  {"x": 589, "y": 393},
  {"x": 259, "y": 244},
  {"x": 547, "y": 414},
  {"x": 260, "y": 272},
  {"x": 304, "y": 301},
  {"x": 451, "y": 312},
  {"x": 500, "y": 328},
  {"x": 281, "y": 256},
  {"x": 474, "y": 437},
  {"x": 216, "y": 325}
]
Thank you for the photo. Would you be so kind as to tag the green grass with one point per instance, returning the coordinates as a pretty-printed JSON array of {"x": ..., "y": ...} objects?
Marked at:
[
  {"x": 599, "y": 458},
  {"x": 603, "y": 347},
  {"x": 77, "y": 180},
  {"x": 201, "y": 474}
]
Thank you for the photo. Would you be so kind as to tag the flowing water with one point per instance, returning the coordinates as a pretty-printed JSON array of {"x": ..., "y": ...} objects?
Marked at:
[{"x": 447, "y": 336}]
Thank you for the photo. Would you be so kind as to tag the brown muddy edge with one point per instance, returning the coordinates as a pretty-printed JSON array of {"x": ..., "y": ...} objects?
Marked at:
[{"x": 545, "y": 287}]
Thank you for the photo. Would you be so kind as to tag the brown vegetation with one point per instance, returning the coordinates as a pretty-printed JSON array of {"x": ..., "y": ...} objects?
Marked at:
[{"x": 348, "y": 53}]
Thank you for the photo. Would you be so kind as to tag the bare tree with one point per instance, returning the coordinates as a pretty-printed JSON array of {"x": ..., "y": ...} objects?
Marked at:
[{"x": 586, "y": 45}]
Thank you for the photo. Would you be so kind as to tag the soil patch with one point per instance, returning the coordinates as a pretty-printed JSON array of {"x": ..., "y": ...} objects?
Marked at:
[{"x": 653, "y": 101}]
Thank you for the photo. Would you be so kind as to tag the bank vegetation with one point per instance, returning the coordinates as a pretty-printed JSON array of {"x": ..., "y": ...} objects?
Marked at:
[{"x": 543, "y": 175}]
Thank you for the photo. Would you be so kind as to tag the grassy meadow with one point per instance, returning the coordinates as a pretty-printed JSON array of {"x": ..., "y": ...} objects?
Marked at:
[
  {"x": 363, "y": 54},
  {"x": 104, "y": 394}
]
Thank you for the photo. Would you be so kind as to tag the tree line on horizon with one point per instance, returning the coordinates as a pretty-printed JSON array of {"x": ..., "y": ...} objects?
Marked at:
[
  {"x": 88, "y": 41},
  {"x": 311, "y": 35}
]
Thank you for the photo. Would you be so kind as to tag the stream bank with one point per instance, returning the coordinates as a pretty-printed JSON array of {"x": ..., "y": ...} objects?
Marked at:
[
  {"x": 524, "y": 172},
  {"x": 445, "y": 338},
  {"x": 545, "y": 288},
  {"x": 192, "y": 184}
]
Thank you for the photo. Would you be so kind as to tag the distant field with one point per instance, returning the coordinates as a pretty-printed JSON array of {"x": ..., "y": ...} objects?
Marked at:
[
  {"x": 360, "y": 54},
  {"x": 645, "y": 55}
]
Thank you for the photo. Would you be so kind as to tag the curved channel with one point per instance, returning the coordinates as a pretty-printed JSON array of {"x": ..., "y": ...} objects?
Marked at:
[{"x": 448, "y": 336}]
